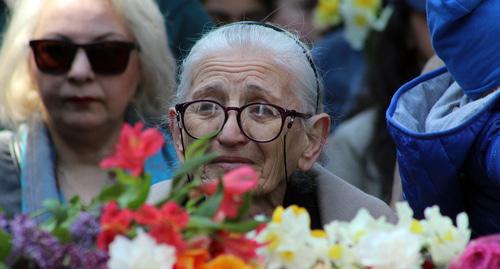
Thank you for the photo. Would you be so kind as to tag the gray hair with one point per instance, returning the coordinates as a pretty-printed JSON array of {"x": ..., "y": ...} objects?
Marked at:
[
  {"x": 286, "y": 50},
  {"x": 19, "y": 100}
]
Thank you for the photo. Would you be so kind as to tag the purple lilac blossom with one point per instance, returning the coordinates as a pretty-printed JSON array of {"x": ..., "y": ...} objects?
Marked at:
[
  {"x": 29, "y": 242},
  {"x": 85, "y": 229},
  {"x": 41, "y": 247},
  {"x": 4, "y": 223}
]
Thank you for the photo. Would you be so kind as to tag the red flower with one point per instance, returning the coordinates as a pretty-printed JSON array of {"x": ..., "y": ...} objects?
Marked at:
[
  {"x": 235, "y": 184},
  {"x": 235, "y": 244},
  {"x": 114, "y": 221},
  {"x": 133, "y": 148},
  {"x": 165, "y": 223}
]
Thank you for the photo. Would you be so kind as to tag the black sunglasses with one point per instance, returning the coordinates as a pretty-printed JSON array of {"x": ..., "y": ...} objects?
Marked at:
[{"x": 106, "y": 58}]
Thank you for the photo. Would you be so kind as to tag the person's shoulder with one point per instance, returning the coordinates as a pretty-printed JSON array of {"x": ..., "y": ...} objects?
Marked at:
[
  {"x": 339, "y": 200},
  {"x": 362, "y": 124},
  {"x": 10, "y": 189}
]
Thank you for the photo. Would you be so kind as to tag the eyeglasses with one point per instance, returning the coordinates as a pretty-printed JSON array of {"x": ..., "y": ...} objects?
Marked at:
[
  {"x": 106, "y": 58},
  {"x": 259, "y": 122}
]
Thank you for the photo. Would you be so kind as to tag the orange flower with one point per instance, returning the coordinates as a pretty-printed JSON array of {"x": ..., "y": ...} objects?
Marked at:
[
  {"x": 133, "y": 148},
  {"x": 227, "y": 262},
  {"x": 192, "y": 259}
]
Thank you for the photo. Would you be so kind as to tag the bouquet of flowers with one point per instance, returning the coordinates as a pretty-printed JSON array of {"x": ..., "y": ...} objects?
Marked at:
[
  {"x": 359, "y": 18},
  {"x": 205, "y": 225}
]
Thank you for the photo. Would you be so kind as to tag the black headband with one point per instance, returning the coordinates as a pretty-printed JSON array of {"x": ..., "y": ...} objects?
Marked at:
[{"x": 304, "y": 49}]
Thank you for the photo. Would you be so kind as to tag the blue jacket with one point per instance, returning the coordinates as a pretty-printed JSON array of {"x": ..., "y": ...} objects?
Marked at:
[{"x": 448, "y": 149}]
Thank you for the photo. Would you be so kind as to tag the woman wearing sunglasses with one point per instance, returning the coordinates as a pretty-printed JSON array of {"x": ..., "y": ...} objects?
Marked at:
[
  {"x": 255, "y": 86},
  {"x": 71, "y": 73}
]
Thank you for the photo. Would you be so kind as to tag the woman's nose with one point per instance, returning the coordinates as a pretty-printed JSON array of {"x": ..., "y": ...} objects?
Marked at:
[
  {"x": 81, "y": 70},
  {"x": 231, "y": 133}
]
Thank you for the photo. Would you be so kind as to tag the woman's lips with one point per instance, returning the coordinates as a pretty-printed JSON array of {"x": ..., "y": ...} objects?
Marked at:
[
  {"x": 81, "y": 100},
  {"x": 229, "y": 163}
]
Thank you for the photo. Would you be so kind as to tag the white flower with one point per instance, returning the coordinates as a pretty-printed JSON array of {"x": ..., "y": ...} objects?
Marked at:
[
  {"x": 445, "y": 241},
  {"x": 142, "y": 252},
  {"x": 360, "y": 17},
  {"x": 287, "y": 239},
  {"x": 406, "y": 220},
  {"x": 396, "y": 249}
]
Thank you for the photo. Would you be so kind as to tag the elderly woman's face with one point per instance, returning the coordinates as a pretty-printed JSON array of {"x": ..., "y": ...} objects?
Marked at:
[
  {"x": 82, "y": 97},
  {"x": 235, "y": 79}
]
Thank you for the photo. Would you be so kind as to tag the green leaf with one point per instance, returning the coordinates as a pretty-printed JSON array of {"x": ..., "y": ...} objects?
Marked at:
[
  {"x": 142, "y": 192},
  {"x": 191, "y": 165},
  {"x": 199, "y": 222},
  {"x": 5, "y": 245},
  {"x": 134, "y": 196},
  {"x": 180, "y": 195},
  {"x": 110, "y": 193},
  {"x": 198, "y": 147},
  {"x": 126, "y": 178},
  {"x": 3, "y": 266},
  {"x": 242, "y": 226},
  {"x": 245, "y": 206},
  {"x": 62, "y": 234},
  {"x": 210, "y": 206}
]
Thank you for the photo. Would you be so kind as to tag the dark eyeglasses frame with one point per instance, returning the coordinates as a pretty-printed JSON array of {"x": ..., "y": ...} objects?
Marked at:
[
  {"x": 285, "y": 113},
  {"x": 74, "y": 47}
]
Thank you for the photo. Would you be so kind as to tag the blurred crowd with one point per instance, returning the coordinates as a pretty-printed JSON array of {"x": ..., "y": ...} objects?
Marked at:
[{"x": 358, "y": 83}]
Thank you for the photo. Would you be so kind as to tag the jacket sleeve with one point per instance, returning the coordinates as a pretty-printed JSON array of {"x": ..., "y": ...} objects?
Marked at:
[
  {"x": 431, "y": 166},
  {"x": 483, "y": 167}
]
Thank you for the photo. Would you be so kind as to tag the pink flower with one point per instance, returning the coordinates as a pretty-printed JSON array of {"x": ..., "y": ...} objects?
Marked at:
[
  {"x": 133, "y": 148},
  {"x": 483, "y": 252},
  {"x": 235, "y": 184}
]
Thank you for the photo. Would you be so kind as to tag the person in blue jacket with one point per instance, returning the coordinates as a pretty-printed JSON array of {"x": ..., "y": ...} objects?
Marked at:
[{"x": 446, "y": 123}]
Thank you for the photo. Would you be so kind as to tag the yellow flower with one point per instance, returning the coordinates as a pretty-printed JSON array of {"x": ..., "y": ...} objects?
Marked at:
[
  {"x": 318, "y": 233},
  {"x": 227, "y": 262},
  {"x": 329, "y": 7},
  {"x": 278, "y": 214},
  {"x": 336, "y": 252},
  {"x": 367, "y": 4},
  {"x": 416, "y": 227},
  {"x": 327, "y": 13}
]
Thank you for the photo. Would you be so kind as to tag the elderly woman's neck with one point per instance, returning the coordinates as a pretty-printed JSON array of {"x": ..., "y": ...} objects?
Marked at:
[
  {"x": 84, "y": 147},
  {"x": 265, "y": 204}
]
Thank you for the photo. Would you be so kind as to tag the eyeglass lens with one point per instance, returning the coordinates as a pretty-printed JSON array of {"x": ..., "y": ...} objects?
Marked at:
[
  {"x": 259, "y": 122},
  {"x": 106, "y": 58}
]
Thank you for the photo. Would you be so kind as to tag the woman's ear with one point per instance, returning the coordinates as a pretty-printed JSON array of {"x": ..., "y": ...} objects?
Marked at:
[
  {"x": 317, "y": 135},
  {"x": 174, "y": 130}
]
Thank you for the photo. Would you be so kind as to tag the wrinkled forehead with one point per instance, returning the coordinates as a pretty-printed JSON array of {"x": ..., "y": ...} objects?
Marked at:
[{"x": 240, "y": 70}]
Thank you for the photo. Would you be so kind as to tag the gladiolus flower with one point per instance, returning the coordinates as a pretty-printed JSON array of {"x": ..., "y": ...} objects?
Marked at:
[
  {"x": 165, "y": 223},
  {"x": 133, "y": 148},
  {"x": 114, "y": 221}
]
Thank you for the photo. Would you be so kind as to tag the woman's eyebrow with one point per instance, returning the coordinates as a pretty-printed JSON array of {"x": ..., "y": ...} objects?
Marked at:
[
  {"x": 255, "y": 89},
  {"x": 208, "y": 90}
]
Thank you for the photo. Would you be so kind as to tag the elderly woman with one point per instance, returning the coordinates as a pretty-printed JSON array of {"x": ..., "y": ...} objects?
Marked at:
[
  {"x": 255, "y": 86},
  {"x": 71, "y": 73}
]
